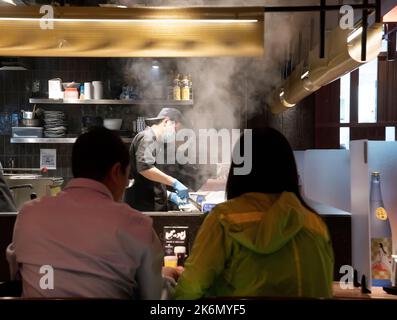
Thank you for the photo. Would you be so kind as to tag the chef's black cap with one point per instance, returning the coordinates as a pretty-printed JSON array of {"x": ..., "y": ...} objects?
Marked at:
[{"x": 171, "y": 113}]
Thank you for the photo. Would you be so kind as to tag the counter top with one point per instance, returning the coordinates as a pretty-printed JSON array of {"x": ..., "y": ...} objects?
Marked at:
[
  {"x": 324, "y": 209},
  {"x": 320, "y": 208},
  {"x": 169, "y": 214},
  {"x": 355, "y": 293}
]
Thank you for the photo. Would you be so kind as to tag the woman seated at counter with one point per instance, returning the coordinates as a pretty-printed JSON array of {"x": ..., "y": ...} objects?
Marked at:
[{"x": 265, "y": 240}]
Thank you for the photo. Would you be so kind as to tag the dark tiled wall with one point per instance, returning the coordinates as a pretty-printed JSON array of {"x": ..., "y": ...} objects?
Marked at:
[
  {"x": 16, "y": 89},
  {"x": 28, "y": 156}
]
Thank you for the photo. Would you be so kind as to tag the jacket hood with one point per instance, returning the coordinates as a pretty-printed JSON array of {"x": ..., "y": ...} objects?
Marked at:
[{"x": 261, "y": 222}]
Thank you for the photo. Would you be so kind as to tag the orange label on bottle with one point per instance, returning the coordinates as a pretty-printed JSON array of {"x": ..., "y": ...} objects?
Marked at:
[{"x": 381, "y": 213}]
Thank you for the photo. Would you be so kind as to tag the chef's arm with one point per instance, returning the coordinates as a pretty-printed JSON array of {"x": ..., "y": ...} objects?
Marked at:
[{"x": 157, "y": 175}]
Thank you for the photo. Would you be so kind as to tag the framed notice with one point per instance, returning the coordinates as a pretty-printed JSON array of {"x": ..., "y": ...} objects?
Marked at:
[{"x": 48, "y": 159}]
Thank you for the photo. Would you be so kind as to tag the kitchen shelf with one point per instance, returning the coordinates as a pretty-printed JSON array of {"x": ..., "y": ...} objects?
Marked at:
[
  {"x": 53, "y": 140},
  {"x": 115, "y": 102}
]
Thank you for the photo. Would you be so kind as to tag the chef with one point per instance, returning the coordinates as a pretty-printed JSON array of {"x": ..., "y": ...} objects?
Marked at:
[{"x": 149, "y": 189}]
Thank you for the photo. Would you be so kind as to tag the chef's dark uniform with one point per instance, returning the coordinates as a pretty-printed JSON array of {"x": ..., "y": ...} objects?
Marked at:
[{"x": 145, "y": 195}]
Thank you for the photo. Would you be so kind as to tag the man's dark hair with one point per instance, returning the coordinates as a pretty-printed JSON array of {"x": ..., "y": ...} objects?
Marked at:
[{"x": 95, "y": 152}]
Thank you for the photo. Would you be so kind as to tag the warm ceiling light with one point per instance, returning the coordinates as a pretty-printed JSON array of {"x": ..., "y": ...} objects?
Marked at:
[
  {"x": 10, "y": 2},
  {"x": 391, "y": 16},
  {"x": 284, "y": 101},
  {"x": 200, "y": 21},
  {"x": 305, "y": 75},
  {"x": 133, "y": 32},
  {"x": 354, "y": 34}
]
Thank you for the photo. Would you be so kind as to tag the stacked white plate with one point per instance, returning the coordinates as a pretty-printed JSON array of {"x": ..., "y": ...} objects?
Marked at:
[{"x": 55, "y": 125}]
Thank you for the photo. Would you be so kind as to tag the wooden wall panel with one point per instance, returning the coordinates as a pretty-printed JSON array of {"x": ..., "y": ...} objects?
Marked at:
[
  {"x": 387, "y": 90},
  {"x": 370, "y": 133},
  {"x": 327, "y": 116}
]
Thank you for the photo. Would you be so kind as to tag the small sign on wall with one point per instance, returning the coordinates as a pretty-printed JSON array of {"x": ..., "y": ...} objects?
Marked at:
[{"x": 48, "y": 159}]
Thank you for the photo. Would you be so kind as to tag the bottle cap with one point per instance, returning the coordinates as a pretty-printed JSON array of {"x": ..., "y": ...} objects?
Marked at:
[{"x": 375, "y": 174}]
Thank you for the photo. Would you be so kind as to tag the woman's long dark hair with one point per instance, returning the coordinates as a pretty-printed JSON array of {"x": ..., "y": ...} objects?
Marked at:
[{"x": 273, "y": 166}]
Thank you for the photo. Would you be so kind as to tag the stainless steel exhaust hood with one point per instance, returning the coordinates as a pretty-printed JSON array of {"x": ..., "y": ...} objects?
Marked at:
[
  {"x": 343, "y": 55},
  {"x": 132, "y": 32}
]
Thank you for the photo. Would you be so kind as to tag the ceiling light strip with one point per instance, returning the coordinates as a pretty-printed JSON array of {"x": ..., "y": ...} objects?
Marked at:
[{"x": 135, "y": 20}]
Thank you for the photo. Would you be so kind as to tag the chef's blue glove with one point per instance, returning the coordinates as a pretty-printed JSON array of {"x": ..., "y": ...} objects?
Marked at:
[
  {"x": 181, "y": 190},
  {"x": 173, "y": 197}
]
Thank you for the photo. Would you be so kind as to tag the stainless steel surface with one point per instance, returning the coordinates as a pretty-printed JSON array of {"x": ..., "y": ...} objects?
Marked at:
[
  {"x": 31, "y": 122},
  {"x": 22, "y": 169},
  {"x": 28, "y": 115},
  {"x": 27, "y": 132},
  {"x": 41, "y": 186},
  {"x": 195, "y": 203},
  {"x": 110, "y": 101},
  {"x": 53, "y": 140}
]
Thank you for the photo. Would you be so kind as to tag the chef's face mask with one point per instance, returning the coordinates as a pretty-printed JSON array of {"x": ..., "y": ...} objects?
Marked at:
[{"x": 169, "y": 132}]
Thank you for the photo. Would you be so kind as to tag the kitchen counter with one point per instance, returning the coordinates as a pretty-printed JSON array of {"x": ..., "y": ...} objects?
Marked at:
[{"x": 338, "y": 222}]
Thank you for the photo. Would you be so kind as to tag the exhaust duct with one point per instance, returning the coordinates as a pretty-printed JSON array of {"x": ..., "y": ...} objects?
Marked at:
[{"x": 343, "y": 55}]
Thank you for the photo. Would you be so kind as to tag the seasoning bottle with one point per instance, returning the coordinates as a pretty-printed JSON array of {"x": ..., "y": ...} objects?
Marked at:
[
  {"x": 381, "y": 236},
  {"x": 82, "y": 92},
  {"x": 177, "y": 88},
  {"x": 185, "y": 88},
  {"x": 190, "y": 87},
  {"x": 170, "y": 86}
]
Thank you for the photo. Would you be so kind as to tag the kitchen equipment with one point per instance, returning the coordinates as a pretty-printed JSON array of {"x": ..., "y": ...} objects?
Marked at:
[
  {"x": 195, "y": 203},
  {"x": 55, "y": 89},
  {"x": 71, "y": 85},
  {"x": 55, "y": 124},
  {"x": 87, "y": 90},
  {"x": 112, "y": 124},
  {"x": 27, "y": 114},
  {"x": 31, "y": 122},
  {"x": 27, "y": 132},
  {"x": 42, "y": 170},
  {"x": 41, "y": 186},
  {"x": 98, "y": 89},
  {"x": 71, "y": 94}
]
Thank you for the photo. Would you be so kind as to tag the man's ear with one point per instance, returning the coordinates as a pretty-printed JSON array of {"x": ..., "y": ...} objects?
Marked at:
[
  {"x": 166, "y": 119},
  {"x": 115, "y": 170}
]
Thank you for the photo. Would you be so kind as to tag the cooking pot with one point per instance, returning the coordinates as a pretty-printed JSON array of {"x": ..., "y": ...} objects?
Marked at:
[
  {"x": 31, "y": 122},
  {"x": 27, "y": 114}
]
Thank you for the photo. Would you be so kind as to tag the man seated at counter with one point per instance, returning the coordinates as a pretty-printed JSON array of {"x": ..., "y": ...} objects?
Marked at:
[
  {"x": 149, "y": 192},
  {"x": 84, "y": 242}
]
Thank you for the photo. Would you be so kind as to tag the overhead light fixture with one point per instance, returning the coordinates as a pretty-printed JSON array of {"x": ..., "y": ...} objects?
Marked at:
[
  {"x": 13, "y": 68},
  {"x": 133, "y": 32},
  {"x": 10, "y": 2},
  {"x": 354, "y": 34},
  {"x": 284, "y": 101},
  {"x": 136, "y": 21},
  {"x": 305, "y": 75}
]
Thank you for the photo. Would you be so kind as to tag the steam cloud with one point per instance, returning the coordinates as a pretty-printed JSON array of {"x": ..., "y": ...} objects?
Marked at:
[{"x": 227, "y": 91}]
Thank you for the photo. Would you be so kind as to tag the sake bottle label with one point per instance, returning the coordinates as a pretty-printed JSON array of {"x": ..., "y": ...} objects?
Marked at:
[
  {"x": 381, "y": 213},
  {"x": 381, "y": 261}
]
